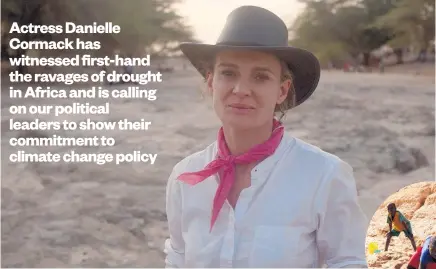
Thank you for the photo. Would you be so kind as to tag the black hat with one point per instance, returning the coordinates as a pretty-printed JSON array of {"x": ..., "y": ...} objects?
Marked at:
[{"x": 251, "y": 27}]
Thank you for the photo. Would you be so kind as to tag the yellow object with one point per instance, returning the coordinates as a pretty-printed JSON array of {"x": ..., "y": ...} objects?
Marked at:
[
  {"x": 397, "y": 224},
  {"x": 372, "y": 247}
]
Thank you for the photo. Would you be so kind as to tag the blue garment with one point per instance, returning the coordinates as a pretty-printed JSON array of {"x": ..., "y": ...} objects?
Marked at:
[{"x": 426, "y": 258}]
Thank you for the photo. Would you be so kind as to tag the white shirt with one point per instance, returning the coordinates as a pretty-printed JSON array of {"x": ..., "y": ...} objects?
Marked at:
[{"x": 301, "y": 210}]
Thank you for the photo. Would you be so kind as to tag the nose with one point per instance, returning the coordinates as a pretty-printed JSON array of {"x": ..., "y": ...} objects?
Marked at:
[{"x": 242, "y": 88}]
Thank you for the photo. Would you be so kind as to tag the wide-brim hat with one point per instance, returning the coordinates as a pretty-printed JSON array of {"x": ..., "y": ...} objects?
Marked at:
[{"x": 255, "y": 28}]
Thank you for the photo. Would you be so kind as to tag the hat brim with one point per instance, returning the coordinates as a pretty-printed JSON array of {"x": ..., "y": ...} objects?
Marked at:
[{"x": 303, "y": 64}]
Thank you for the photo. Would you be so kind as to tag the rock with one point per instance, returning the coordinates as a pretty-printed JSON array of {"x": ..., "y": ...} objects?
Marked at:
[
  {"x": 418, "y": 203},
  {"x": 408, "y": 159},
  {"x": 430, "y": 130},
  {"x": 395, "y": 157}
]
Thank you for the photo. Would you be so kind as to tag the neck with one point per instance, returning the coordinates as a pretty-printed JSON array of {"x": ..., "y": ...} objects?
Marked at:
[{"x": 240, "y": 141}]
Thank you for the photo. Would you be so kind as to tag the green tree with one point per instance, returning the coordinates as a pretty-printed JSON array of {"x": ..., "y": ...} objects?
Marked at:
[
  {"x": 144, "y": 24},
  {"x": 26, "y": 12},
  {"x": 412, "y": 22},
  {"x": 312, "y": 30},
  {"x": 336, "y": 28}
]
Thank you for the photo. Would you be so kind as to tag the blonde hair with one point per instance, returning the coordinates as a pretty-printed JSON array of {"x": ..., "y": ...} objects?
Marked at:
[
  {"x": 286, "y": 73},
  {"x": 291, "y": 98}
]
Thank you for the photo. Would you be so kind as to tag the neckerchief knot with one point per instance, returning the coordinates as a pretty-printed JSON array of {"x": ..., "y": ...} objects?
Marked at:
[
  {"x": 224, "y": 165},
  {"x": 229, "y": 159}
]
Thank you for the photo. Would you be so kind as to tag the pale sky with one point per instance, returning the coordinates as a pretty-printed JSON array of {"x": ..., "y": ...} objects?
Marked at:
[{"x": 207, "y": 17}]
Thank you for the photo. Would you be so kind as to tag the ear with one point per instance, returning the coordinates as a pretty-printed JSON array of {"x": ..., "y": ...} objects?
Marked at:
[{"x": 284, "y": 90}]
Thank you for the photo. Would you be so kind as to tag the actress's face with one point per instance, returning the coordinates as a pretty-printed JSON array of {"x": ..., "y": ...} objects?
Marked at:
[{"x": 246, "y": 87}]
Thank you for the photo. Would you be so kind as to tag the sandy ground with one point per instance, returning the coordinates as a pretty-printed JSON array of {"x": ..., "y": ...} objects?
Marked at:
[{"x": 85, "y": 215}]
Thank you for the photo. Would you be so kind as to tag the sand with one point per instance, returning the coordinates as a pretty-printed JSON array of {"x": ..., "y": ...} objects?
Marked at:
[{"x": 88, "y": 215}]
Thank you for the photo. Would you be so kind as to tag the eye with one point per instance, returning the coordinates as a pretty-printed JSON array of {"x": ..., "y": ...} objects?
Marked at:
[
  {"x": 261, "y": 77},
  {"x": 228, "y": 73}
]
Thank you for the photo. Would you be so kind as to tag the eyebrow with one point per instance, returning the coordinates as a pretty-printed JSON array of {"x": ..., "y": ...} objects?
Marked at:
[
  {"x": 228, "y": 65},
  {"x": 257, "y": 68},
  {"x": 266, "y": 69}
]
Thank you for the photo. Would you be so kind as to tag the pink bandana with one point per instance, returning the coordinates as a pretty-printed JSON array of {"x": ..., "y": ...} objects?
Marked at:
[{"x": 224, "y": 165}]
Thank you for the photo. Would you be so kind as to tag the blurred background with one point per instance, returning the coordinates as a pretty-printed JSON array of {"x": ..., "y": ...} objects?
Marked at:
[{"x": 374, "y": 108}]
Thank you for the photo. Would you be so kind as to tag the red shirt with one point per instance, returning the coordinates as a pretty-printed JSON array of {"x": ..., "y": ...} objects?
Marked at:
[{"x": 414, "y": 260}]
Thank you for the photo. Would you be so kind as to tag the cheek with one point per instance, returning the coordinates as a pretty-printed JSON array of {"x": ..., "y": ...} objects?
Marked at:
[
  {"x": 218, "y": 97},
  {"x": 268, "y": 97},
  {"x": 220, "y": 89}
]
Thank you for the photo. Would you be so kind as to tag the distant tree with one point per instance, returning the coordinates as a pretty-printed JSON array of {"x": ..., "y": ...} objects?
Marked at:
[
  {"x": 412, "y": 23},
  {"x": 335, "y": 28},
  {"x": 24, "y": 12},
  {"x": 312, "y": 30},
  {"x": 144, "y": 24}
]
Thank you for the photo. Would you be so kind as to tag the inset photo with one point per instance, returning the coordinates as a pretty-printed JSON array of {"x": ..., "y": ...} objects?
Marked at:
[{"x": 402, "y": 232}]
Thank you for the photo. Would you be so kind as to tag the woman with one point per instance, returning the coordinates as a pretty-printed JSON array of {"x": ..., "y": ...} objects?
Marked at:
[{"x": 258, "y": 197}]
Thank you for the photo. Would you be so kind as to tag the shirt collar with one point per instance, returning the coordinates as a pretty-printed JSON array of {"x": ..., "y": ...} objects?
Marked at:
[{"x": 267, "y": 164}]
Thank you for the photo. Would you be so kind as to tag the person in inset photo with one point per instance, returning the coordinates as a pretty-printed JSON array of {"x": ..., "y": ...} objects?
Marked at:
[
  {"x": 425, "y": 256},
  {"x": 258, "y": 196},
  {"x": 412, "y": 206},
  {"x": 398, "y": 223}
]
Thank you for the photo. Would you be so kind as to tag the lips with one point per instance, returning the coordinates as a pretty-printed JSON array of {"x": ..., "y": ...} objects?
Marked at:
[
  {"x": 241, "y": 106},
  {"x": 240, "y": 109}
]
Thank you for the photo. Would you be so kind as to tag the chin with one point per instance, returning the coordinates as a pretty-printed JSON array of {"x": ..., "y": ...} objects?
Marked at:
[
  {"x": 241, "y": 119},
  {"x": 240, "y": 122}
]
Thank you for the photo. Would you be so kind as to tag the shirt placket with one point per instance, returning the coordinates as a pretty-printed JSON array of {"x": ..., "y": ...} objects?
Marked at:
[
  {"x": 246, "y": 196},
  {"x": 234, "y": 217},
  {"x": 228, "y": 249}
]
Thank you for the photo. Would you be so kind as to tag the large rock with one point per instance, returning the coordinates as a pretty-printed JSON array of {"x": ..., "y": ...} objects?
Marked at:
[
  {"x": 408, "y": 159},
  {"x": 418, "y": 203}
]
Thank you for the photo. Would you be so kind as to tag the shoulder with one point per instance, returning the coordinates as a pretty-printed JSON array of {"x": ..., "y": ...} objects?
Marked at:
[
  {"x": 313, "y": 156},
  {"x": 402, "y": 217},
  {"x": 425, "y": 255},
  {"x": 426, "y": 243},
  {"x": 196, "y": 161},
  {"x": 327, "y": 173},
  {"x": 311, "y": 152}
]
